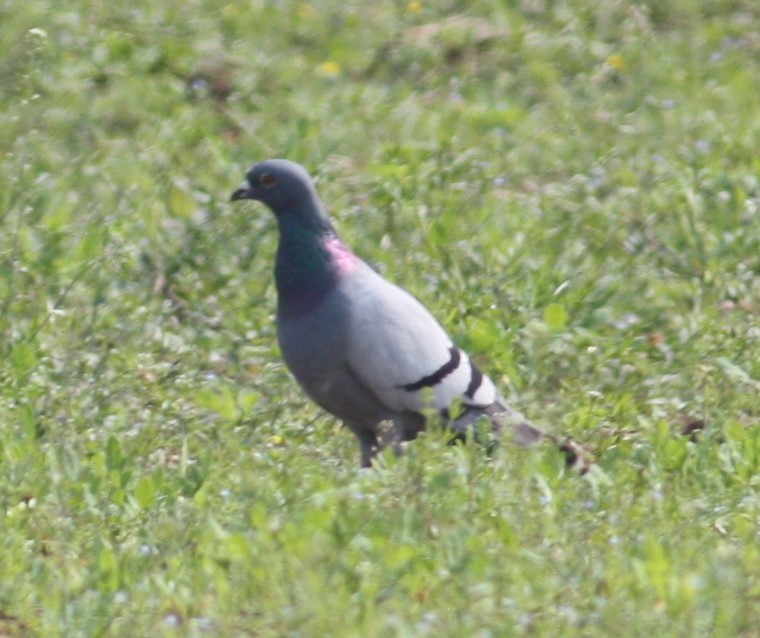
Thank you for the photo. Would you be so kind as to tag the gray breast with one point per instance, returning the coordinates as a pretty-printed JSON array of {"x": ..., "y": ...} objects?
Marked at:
[{"x": 314, "y": 347}]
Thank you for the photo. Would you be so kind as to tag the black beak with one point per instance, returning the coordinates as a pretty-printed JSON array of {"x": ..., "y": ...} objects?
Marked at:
[{"x": 244, "y": 192}]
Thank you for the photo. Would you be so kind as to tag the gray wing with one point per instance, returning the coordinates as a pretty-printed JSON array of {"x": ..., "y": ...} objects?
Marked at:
[{"x": 402, "y": 354}]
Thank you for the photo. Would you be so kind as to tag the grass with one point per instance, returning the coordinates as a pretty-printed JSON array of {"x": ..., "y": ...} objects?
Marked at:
[{"x": 571, "y": 187}]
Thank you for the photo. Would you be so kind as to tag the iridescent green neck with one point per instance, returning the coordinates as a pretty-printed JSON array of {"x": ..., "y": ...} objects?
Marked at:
[{"x": 310, "y": 262}]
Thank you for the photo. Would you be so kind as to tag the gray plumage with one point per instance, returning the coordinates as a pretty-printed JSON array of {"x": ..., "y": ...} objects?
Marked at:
[{"x": 362, "y": 348}]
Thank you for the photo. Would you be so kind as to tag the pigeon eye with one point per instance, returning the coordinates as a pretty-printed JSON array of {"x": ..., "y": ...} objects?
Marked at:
[{"x": 267, "y": 180}]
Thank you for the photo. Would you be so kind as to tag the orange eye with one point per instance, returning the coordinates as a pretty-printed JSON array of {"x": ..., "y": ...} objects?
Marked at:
[{"x": 267, "y": 180}]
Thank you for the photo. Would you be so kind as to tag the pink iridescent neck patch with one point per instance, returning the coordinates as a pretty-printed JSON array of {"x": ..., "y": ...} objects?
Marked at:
[{"x": 345, "y": 261}]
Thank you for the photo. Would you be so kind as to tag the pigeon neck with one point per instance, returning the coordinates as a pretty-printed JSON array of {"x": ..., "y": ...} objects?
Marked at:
[{"x": 311, "y": 260}]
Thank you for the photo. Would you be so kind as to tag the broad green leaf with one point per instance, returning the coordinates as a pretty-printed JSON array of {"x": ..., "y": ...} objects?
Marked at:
[{"x": 555, "y": 316}]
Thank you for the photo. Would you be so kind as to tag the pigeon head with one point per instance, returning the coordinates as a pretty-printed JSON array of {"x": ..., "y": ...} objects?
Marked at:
[
  {"x": 283, "y": 186},
  {"x": 310, "y": 258}
]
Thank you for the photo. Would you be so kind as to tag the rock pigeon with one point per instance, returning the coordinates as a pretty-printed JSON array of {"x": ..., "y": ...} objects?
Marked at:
[{"x": 362, "y": 348}]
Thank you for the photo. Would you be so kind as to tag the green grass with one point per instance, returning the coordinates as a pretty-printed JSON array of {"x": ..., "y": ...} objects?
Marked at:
[{"x": 573, "y": 188}]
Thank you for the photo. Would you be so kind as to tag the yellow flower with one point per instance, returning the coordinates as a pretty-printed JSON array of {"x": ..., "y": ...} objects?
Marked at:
[
  {"x": 329, "y": 69},
  {"x": 617, "y": 62},
  {"x": 305, "y": 11},
  {"x": 276, "y": 439},
  {"x": 414, "y": 7}
]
